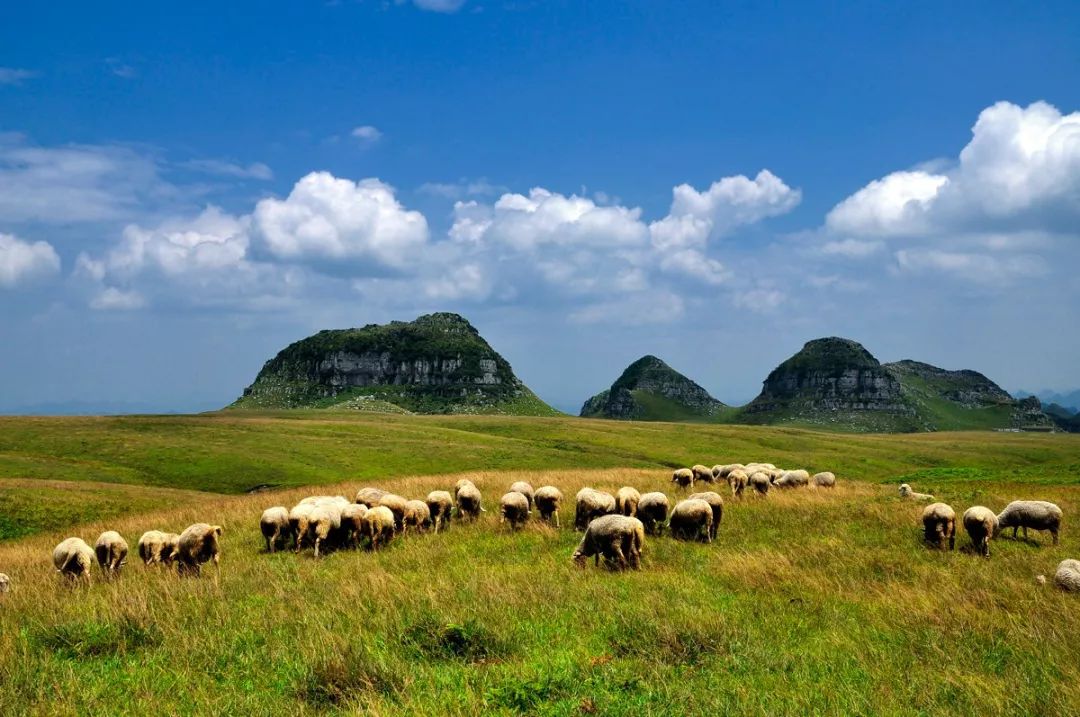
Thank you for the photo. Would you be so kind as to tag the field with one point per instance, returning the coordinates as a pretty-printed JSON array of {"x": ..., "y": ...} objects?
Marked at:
[{"x": 809, "y": 602}]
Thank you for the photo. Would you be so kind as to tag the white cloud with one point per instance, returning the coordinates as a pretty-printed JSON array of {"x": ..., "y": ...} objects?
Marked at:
[
  {"x": 15, "y": 76},
  {"x": 255, "y": 170},
  {"x": 446, "y": 6},
  {"x": 460, "y": 189},
  {"x": 366, "y": 134},
  {"x": 211, "y": 241},
  {"x": 693, "y": 263},
  {"x": 852, "y": 248},
  {"x": 1020, "y": 171},
  {"x": 121, "y": 69},
  {"x": 112, "y": 299},
  {"x": 974, "y": 267},
  {"x": 759, "y": 299},
  {"x": 23, "y": 262},
  {"x": 327, "y": 218},
  {"x": 647, "y": 307}
]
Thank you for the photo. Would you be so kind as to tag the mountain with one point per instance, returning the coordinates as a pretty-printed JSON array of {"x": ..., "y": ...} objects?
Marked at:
[
  {"x": 1066, "y": 399},
  {"x": 650, "y": 390},
  {"x": 438, "y": 363},
  {"x": 837, "y": 382}
]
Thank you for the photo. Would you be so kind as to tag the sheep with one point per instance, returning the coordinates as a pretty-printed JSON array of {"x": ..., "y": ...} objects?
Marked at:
[
  {"x": 468, "y": 502},
  {"x": 726, "y": 470},
  {"x": 702, "y": 474},
  {"x": 652, "y": 510},
  {"x": 440, "y": 504},
  {"x": 1067, "y": 576},
  {"x": 370, "y": 496},
  {"x": 907, "y": 492},
  {"x": 324, "y": 526},
  {"x": 684, "y": 477},
  {"x": 352, "y": 523},
  {"x": 396, "y": 504},
  {"x": 378, "y": 526},
  {"x": 526, "y": 490},
  {"x": 111, "y": 550},
  {"x": 1034, "y": 514},
  {"x": 618, "y": 538},
  {"x": 198, "y": 544},
  {"x": 73, "y": 559},
  {"x": 590, "y": 504},
  {"x": 981, "y": 525},
  {"x": 158, "y": 548},
  {"x": 792, "y": 479},
  {"x": 939, "y": 524},
  {"x": 314, "y": 500},
  {"x": 717, "y": 504},
  {"x": 761, "y": 483},
  {"x": 514, "y": 509},
  {"x": 548, "y": 500},
  {"x": 691, "y": 519},
  {"x": 825, "y": 479},
  {"x": 299, "y": 517},
  {"x": 274, "y": 525},
  {"x": 737, "y": 479},
  {"x": 417, "y": 516},
  {"x": 5, "y": 583},
  {"x": 626, "y": 501}
]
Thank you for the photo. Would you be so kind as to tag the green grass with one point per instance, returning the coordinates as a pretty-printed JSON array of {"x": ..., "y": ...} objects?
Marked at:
[{"x": 810, "y": 602}]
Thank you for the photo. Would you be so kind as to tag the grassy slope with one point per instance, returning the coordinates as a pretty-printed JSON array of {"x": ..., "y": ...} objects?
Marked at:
[{"x": 810, "y": 602}]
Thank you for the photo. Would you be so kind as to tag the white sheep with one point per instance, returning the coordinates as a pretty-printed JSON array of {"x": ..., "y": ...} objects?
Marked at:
[
  {"x": 526, "y": 490},
  {"x": 683, "y": 477},
  {"x": 652, "y": 511},
  {"x": 907, "y": 492},
  {"x": 514, "y": 509},
  {"x": 198, "y": 544},
  {"x": 5, "y": 583},
  {"x": 274, "y": 526},
  {"x": 158, "y": 548},
  {"x": 440, "y": 504},
  {"x": 626, "y": 501},
  {"x": 111, "y": 550},
  {"x": 1034, "y": 514},
  {"x": 619, "y": 539},
  {"x": 792, "y": 479},
  {"x": 352, "y": 523},
  {"x": 702, "y": 474},
  {"x": 324, "y": 525},
  {"x": 417, "y": 516},
  {"x": 396, "y": 504},
  {"x": 738, "y": 480},
  {"x": 369, "y": 496},
  {"x": 468, "y": 497},
  {"x": 939, "y": 525},
  {"x": 717, "y": 504},
  {"x": 548, "y": 501},
  {"x": 1067, "y": 576},
  {"x": 691, "y": 519},
  {"x": 73, "y": 559},
  {"x": 825, "y": 479},
  {"x": 590, "y": 504},
  {"x": 761, "y": 483},
  {"x": 981, "y": 525},
  {"x": 378, "y": 526}
]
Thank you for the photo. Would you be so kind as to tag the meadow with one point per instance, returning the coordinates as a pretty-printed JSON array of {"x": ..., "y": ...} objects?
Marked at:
[{"x": 809, "y": 602}]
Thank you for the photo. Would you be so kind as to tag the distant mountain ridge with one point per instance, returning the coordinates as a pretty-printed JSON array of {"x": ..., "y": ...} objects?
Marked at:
[
  {"x": 1066, "y": 399},
  {"x": 438, "y": 363},
  {"x": 649, "y": 389}
]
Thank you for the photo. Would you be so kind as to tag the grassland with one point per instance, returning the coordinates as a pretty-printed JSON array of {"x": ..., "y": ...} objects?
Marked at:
[{"x": 808, "y": 603}]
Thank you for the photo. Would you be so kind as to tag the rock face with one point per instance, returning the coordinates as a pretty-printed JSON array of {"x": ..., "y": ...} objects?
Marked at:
[
  {"x": 438, "y": 363},
  {"x": 969, "y": 389},
  {"x": 649, "y": 389},
  {"x": 830, "y": 375}
]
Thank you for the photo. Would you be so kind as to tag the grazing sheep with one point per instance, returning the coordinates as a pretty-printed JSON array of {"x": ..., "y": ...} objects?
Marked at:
[
  {"x": 5, "y": 583},
  {"x": 73, "y": 559},
  {"x": 591, "y": 504},
  {"x": 468, "y": 502},
  {"x": 825, "y": 479},
  {"x": 939, "y": 525},
  {"x": 691, "y": 519},
  {"x": 324, "y": 526},
  {"x": 440, "y": 504},
  {"x": 702, "y": 474},
  {"x": 619, "y": 539},
  {"x": 378, "y": 526},
  {"x": 526, "y": 490},
  {"x": 370, "y": 496},
  {"x": 299, "y": 517},
  {"x": 760, "y": 482},
  {"x": 417, "y": 516},
  {"x": 737, "y": 479},
  {"x": 325, "y": 500},
  {"x": 396, "y": 504},
  {"x": 981, "y": 525},
  {"x": 726, "y": 470},
  {"x": 198, "y": 544},
  {"x": 548, "y": 500},
  {"x": 111, "y": 550},
  {"x": 274, "y": 525},
  {"x": 514, "y": 509},
  {"x": 792, "y": 479},
  {"x": 1067, "y": 576},
  {"x": 652, "y": 511},
  {"x": 156, "y": 547},
  {"x": 1034, "y": 514},
  {"x": 907, "y": 492},
  {"x": 684, "y": 477},
  {"x": 352, "y": 524},
  {"x": 626, "y": 501},
  {"x": 717, "y": 504}
]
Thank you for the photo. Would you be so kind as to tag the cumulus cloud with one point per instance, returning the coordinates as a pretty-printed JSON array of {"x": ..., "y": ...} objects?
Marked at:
[
  {"x": 327, "y": 218},
  {"x": 255, "y": 170},
  {"x": 15, "y": 75},
  {"x": 366, "y": 134},
  {"x": 23, "y": 262},
  {"x": 213, "y": 240},
  {"x": 112, "y": 299}
]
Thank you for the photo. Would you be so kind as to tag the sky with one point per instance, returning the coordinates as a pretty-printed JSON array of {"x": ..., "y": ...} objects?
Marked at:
[{"x": 184, "y": 190}]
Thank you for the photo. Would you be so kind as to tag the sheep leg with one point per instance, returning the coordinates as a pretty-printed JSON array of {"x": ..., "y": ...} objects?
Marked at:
[
  {"x": 617, "y": 553},
  {"x": 1054, "y": 533},
  {"x": 1025, "y": 533}
]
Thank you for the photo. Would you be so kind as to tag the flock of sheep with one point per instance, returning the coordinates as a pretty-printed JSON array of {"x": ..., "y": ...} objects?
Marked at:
[
  {"x": 614, "y": 526},
  {"x": 982, "y": 525}
]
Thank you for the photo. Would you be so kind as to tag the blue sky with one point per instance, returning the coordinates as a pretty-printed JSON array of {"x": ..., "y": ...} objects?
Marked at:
[{"x": 184, "y": 192}]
